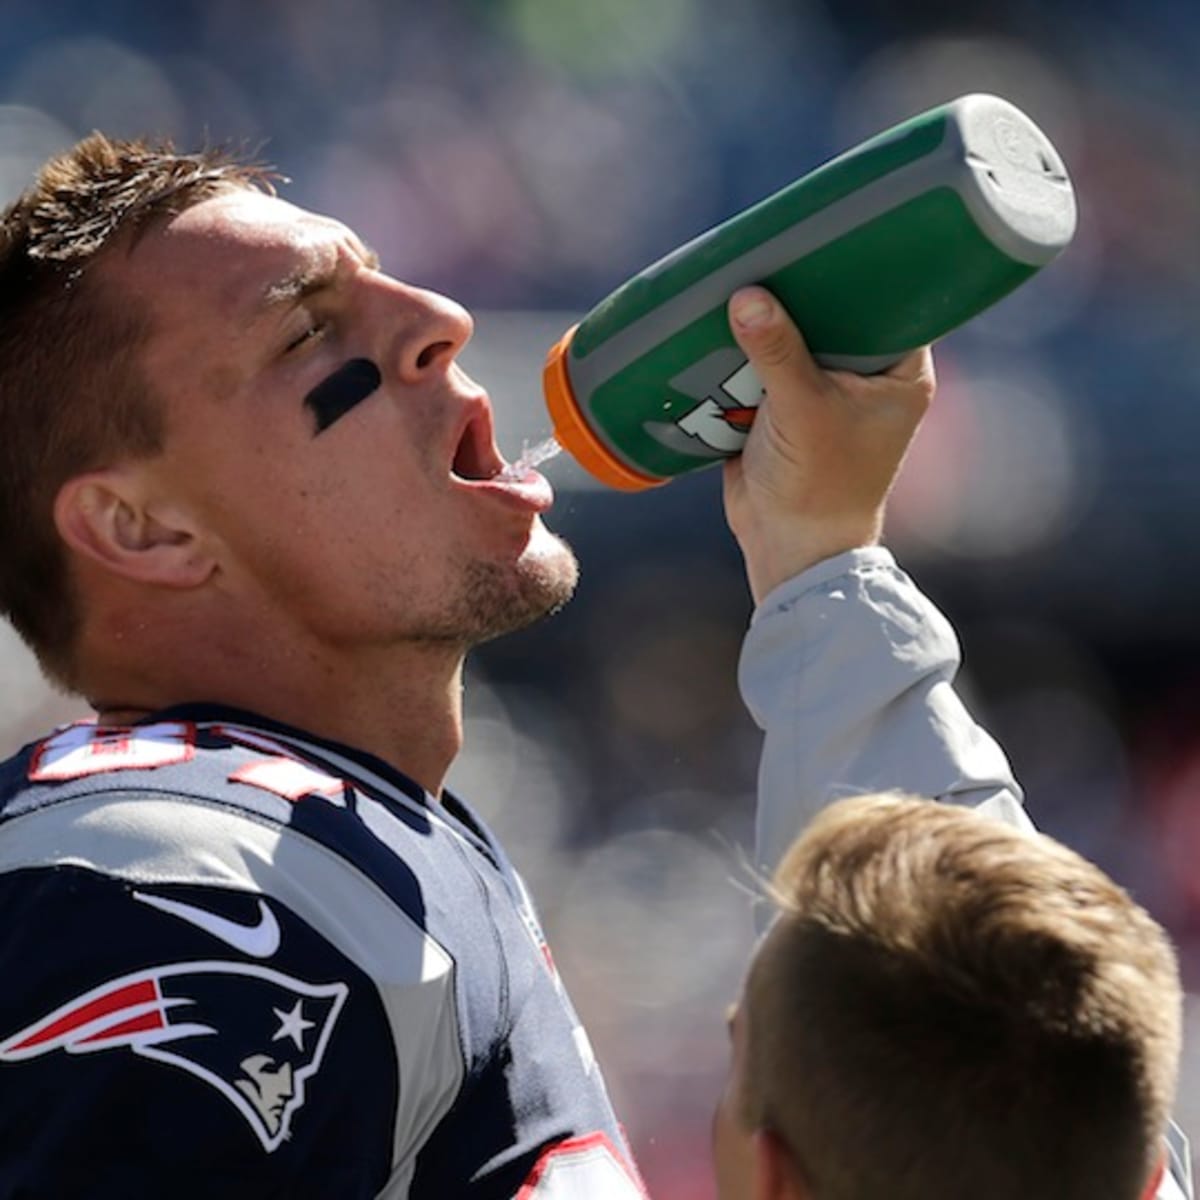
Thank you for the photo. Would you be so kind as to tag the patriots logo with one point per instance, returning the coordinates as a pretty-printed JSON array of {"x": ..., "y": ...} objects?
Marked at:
[{"x": 254, "y": 1034}]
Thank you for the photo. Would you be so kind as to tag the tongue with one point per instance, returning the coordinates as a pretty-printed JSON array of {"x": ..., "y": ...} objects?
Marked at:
[{"x": 527, "y": 483}]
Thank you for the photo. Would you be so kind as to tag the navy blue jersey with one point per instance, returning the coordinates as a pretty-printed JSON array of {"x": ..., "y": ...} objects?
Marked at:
[{"x": 242, "y": 961}]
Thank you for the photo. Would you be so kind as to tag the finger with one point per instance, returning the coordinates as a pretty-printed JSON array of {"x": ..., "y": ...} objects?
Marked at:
[
  {"x": 914, "y": 367},
  {"x": 770, "y": 340}
]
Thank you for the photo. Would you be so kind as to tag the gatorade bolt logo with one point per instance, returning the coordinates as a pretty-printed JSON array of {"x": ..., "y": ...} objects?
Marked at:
[{"x": 725, "y": 392}]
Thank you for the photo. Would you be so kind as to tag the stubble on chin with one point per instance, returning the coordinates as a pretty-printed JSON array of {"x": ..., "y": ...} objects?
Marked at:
[{"x": 494, "y": 599}]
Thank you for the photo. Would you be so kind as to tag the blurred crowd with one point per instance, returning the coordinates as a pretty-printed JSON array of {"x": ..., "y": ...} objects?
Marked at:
[{"x": 525, "y": 156}]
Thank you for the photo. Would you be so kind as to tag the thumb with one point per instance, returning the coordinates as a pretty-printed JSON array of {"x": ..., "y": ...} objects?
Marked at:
[{"x": 770, "y": 340}]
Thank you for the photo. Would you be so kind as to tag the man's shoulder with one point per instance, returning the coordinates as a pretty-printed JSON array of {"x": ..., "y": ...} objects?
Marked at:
[
  {"x": 200, "y": 762},
  {"x": 196, "y": 799}
]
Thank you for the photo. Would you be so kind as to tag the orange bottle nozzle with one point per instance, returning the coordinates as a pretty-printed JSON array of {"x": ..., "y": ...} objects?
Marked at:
[{"x": 573, "y": 432}]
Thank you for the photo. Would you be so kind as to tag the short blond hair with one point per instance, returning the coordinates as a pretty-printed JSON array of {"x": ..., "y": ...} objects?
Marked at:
[{"x": 948, "y": 1007}]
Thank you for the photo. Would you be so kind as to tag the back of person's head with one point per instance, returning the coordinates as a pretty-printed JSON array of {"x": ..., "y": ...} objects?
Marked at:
[
  {"x": 949, "y": 1007},
  {"x": 71, "y": 394}
]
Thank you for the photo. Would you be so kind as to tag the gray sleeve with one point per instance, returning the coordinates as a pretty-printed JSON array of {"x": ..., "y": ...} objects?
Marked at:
[{"x": 849, "y": 671}]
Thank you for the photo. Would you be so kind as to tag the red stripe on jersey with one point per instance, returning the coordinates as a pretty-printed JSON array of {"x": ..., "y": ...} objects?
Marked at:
[
  {"x": 141, "y": 992},
  {"x": 596, "y": 1147},
  {"x": 1155, "y": 1179}
]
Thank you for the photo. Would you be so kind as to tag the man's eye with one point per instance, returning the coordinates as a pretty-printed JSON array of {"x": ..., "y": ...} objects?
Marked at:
[{"x": 312, "y": 333}]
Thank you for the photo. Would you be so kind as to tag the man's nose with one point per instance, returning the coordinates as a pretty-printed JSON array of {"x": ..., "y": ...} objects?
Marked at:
[{"x": 432, "y": 331}]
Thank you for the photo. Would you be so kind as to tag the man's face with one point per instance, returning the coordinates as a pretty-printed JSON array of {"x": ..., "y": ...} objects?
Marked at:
[
  {"x": 733, "y": 1148},
  {"x": 362, "y": 515}
]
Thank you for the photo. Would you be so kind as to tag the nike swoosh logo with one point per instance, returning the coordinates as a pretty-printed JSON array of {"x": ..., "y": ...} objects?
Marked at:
[{"x": 260, "y": 940}]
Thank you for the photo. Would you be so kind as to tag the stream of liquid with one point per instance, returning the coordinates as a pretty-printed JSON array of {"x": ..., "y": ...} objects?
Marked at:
[{"x": 531, "y": 456}]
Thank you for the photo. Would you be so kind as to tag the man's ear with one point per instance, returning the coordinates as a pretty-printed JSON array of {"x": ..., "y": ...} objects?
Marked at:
[
  {"x": 113, "y": 518},
  {"x": 776, "y": 1174}
]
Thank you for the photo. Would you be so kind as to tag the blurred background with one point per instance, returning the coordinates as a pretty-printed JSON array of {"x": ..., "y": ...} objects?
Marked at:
[{"x": 525, "y": 156}]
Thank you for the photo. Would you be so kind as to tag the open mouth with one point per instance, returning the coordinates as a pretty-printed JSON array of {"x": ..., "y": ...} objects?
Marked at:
[
  {"x": 475, "y": 456},
  {"x": 476, "y": 463}
]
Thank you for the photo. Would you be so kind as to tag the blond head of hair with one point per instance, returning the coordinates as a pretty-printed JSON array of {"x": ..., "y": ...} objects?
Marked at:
[{"x": 950, "y": 1007}]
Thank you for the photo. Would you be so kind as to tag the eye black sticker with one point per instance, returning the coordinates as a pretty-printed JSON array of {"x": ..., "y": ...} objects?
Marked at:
[{"x": 338, "y": 393}]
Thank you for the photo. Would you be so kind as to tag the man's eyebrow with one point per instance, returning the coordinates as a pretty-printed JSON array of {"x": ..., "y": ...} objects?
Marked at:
[
  {"x": 298, "y": 285},
  {"x": 308, "y": 280}
]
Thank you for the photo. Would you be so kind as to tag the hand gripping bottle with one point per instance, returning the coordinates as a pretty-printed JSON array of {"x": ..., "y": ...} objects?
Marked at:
[{"x": 883, "y": 249}]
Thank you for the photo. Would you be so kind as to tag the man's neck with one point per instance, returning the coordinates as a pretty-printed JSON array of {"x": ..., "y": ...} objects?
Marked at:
[{"x": 406, "y": 711}]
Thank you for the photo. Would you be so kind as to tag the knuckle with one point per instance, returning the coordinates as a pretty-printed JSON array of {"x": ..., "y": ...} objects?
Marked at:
[
  {"x": 925, "y": 387},
  {"x": 929, "y": 380},
  {"x": 775, "y": 347}
]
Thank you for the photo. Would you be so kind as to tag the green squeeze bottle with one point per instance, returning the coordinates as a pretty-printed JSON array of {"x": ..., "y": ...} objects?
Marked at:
[{"x": 881, "y": 250}]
